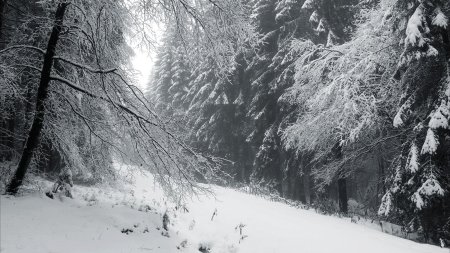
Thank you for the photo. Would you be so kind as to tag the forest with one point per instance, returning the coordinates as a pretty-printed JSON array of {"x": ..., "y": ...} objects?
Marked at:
[{"x": 337, "y": 106}]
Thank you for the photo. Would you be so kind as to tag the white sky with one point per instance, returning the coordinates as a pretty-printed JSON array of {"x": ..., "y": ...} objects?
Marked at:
[
  {"x": 143, "y": 64},
  {"x": 145, "y": 55}
]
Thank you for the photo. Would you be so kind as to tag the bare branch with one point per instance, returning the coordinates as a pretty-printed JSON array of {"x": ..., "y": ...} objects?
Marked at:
[
  {"x": 39, "y": 50},
  {"x": 78, "y": 65}
]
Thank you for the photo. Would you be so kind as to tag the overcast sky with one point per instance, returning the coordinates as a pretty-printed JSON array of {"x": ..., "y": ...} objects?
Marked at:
[{"x": 143, "y": 63}]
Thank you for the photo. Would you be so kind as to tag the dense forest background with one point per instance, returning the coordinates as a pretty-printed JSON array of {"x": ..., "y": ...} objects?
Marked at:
[{"x": 343, "y": 105}]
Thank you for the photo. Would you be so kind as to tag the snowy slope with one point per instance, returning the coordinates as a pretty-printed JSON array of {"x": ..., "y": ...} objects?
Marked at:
[
  {"x": 92, "y": 223},
  {"x": 276, "y": 227},
  {"x": 38, "y": 224}
]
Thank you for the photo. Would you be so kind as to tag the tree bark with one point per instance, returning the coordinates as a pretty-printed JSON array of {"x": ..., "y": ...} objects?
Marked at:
[
  {"x": 10, "y": 137},
  {"x": 3, "y": 122},
  {"x": 36, "y": 128},
  {"x": 2, "y": 14},
  {"x": 343, "y": 198},
  {"x": 342, "y": 182},
  {"x": 381, "y": 186},
  {"x": 307, "y": 186}
]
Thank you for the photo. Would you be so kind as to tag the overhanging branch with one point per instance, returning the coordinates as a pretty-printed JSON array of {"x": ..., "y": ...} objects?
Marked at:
[
  {"x": 124, "y": 108},
  {"x": 92, "y": 95},
  {"x": 78, "y": 65}
]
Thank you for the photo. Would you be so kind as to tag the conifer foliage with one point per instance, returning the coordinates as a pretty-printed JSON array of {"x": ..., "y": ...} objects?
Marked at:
[
  {"x": 419, "y": 188},
  {"x": 337, "y": 101}
]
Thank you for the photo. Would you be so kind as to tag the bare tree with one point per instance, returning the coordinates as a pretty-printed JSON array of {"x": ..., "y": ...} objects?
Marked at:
[
  {"x": 35, "y": 132},
  {"x": 85, "y": 87}
]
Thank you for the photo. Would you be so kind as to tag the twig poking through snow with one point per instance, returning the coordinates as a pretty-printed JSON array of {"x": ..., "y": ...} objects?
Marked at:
[{"x": 214, "y": 214}]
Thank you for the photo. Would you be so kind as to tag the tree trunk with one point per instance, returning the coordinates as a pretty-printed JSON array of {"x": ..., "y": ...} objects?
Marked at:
[
  {"x": 2, "y": 14},
  {"x": 34, "y": 135},
  {"x": 307, "y": 186},
  {"x": 381, "y": 185},
  {"x": 342, "y": 182},
  {"x": 3, "y": 122},
  {"x": 342, "y": 191},
  {"x": 10, "y": 136}
]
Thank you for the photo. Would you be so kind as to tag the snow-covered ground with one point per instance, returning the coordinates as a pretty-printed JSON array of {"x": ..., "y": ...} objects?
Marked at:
[{"x": 93, "y": 221}]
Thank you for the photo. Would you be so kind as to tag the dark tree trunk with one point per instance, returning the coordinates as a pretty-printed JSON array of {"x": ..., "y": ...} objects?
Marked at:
[
  {"x": 381, "y": 185},
  {"x": 6, "y": 135},
  {"x": 446, "y": 40},
  {"x": 3, "y": 122},
  {"x": 343, "y": 198},
  {"x": 2, "y": 14},
  {"x": 2, "y": 141},
  {"x": 34, "y": 135},
  {"x": 307, "y": 186},
  {"x": 10, "y": 136},
  {"x": 342, "y": 181}
]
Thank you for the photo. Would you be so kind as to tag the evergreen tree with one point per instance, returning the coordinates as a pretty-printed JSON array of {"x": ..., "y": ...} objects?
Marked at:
[
  {"x": 312, "y": 112},
  {"x": 419, "y": 183}
]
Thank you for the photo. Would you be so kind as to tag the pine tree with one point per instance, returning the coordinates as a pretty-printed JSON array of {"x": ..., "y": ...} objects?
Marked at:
[{"x": 419, "y": 191}]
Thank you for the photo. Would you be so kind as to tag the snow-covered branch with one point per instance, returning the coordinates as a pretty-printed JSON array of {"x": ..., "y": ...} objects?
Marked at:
[
  {"x": 18, "y": 47},
  {"x": 90, "y": 94},
  {"x": 88, "y": 68}
]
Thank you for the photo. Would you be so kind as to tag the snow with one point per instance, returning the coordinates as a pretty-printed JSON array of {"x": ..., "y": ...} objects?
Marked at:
[
  {"x": 36, "y": 223},
  {"x": 330, "y": 39},
  {"x": 413, "y": 163},
  {"x": 239, "y": 100},
  {"x": 386, "y": 204},
  {"x": 431, "y": 187},
  {"x": 259, "y": 115},
  {"x": 39, "y": 224},
  {"x": 93, "y": 220},
  {"x": 222, "y": 99},
  {"x": 398, "y": 121},
  {"x": 417, "y": 199},
  {"x": 440, "y": 19},
  {"x": 308, "y": 4},
  {"x": 447, "y": 91},
  {"x": 314, "y": 18},
  {"x": 431, "y": 143},
  {"x": 321, "y": 25},
  {"x": 438, "y": 120},
  {"x": 276, "y": 227},
  {"x": 430, "y": 52},
  {"x": 415, "y": 23}
]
